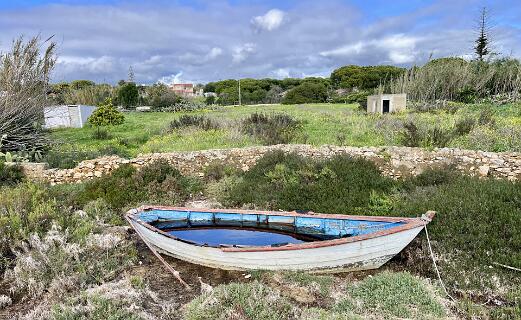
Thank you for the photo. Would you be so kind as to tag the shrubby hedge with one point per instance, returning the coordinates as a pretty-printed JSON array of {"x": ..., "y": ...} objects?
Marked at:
[
  {"x": 291, "y": 182},
  {"x": 478, "y": 220}
]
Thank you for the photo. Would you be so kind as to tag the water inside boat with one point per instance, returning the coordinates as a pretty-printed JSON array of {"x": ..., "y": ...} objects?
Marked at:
[
  {"x": 235, "y": 237},
  {"x": 257, "y": 229}
]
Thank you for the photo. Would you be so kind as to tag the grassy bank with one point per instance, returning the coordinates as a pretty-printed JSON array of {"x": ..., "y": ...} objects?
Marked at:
[
  {"x": 484, "y": 127},
  {"x": 64, "y": 248}
]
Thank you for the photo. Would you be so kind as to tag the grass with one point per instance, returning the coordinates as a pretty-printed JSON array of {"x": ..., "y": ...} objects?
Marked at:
[
  {"x": 336, "y": 124},
  {"x": 393, "y": 295}
]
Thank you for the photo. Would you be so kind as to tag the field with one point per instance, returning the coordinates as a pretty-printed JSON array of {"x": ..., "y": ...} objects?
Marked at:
[{"x": 495, "y": 128}]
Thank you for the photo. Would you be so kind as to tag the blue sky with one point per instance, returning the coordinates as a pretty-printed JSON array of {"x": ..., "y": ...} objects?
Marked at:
[{"x": 202, "y": 41}]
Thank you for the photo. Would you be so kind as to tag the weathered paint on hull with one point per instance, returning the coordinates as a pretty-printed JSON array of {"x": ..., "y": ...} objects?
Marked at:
[{"x": 358, "y": 255}]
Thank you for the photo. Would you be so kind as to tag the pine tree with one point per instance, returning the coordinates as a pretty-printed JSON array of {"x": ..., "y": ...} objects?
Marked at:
[{"x": 482, "y": 42}]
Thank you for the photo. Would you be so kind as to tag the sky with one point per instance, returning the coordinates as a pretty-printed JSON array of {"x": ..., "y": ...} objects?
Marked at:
[{"x": 202, "y": 41}]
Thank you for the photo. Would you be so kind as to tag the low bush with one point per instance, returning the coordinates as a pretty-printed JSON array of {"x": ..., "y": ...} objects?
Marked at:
[
  {"x": 93, "y": 308},
  {"x": 425, "y": 137},
  {"x": 477, "y": 224},
  {"x": 158, "y": 182},
  {"x": 56, "y": 264},
  {"x": 271, "y": 129},
  {"x": 201, "y": 122},
  {"x": 252, "y": 300},
  {"x": 291, "y": 182},
  {"x": 306, "y": 92},
  {"x": 392, "y": 295},
  {"x": 10, "y": 174},
  {"x": 216, "y": 171}
]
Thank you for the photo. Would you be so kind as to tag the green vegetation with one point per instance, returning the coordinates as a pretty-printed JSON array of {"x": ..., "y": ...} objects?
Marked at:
[
  {"x": 307, "y": 92},
  {"x": 253, "y": 300},
  {"x": 476, "y": 225},
  {"x": 106, "y": 115},
  {"x": 128, "y": 95},
  {"x": 157, "y": 182},
  {"x": 393, "y": 295},
  {"x": 492, "y": 128},
  {"x": 10, "y": 174},
  {"x": 384, "y": 296},
  {"x": 370, "y": 77},
  {"x": 272, "y": 129},
  {"x": 290, "y": 182}
]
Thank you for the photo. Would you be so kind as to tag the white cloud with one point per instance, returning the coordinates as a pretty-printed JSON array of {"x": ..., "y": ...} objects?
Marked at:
[
  {"x": 398, "y": 48},
  {"x": 272, "y": 20},
  {"x": 281, "y": 73},
  {"x": 94, "y": 65},
  {"x": 242, "y": 52},
  {"x": 198, "y": 59},
  {"x": 173, "y": 78},
  {"x": 214, "y": 53}
]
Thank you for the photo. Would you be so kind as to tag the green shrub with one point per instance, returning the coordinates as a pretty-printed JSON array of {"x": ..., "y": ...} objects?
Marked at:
[
  {"x": 363, "y": 77},
  {"x": 201, "y": 122},
  {"x": 291, "y": 182},
  {"x": 486, "y": 117},
  {"x": 306, "y": 92},
  {"x": 466, "y": 95},
  {"x": 56, "y": 263},
  {"x": 392, "y": 295},
  {"x": 271, "y": 129},
  {"x": 10, "y": 174},
  {"x": 157, "y": 182},
  {"x": 413, "y": 136},
  {"x": 464, "y": 126},
  {"x": 252, "y": 300},
  {"x": 101, "y": 134},
  {"x": 477, "y": 224},
  {"x": 216, "y": 171},
  {"x": 434, "y": 177},
  {"x": 106, "y": 115}
]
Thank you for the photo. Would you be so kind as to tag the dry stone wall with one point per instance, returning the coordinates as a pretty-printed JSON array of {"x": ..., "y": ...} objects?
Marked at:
[{"x": 395, "y": 162}]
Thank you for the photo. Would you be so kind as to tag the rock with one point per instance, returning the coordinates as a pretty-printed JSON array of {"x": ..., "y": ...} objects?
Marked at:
[{"x": 483, "y": 170}]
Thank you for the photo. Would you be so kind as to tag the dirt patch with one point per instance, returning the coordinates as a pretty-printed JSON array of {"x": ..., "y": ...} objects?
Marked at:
[{"x": 162, "y": 282}]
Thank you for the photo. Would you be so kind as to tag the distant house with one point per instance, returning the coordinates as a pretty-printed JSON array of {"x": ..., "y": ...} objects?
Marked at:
[
  {"x": 184, "y": 89},
  {"x": 386, "y": 103},
  {"x": 69, "y": 116}
]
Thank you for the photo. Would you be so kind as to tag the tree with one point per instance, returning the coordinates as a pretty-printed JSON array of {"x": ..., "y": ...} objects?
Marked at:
[
  {"x": 106, "y": 115},
  {"x": 482, "y": 47},
  {"x": 128, "y": 94},
  {"x": 81, "y": 84},
  {"x": 24, "y": 83},
  {"x": 306, "y": 92},
  {"x": 366, "y": 77}
]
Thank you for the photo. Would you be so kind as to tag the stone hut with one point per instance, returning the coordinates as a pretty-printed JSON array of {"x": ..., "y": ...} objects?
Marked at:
[{"x": 385, "y": 103}]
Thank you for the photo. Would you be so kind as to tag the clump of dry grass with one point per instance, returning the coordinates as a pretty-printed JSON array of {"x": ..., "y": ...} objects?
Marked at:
[
  {"x": 454, "y": 79},
  {"x": 56, "y": 265},
  {"x": 112, "y": 300}
]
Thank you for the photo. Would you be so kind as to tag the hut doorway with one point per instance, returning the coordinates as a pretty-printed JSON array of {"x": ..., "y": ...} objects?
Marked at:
[{"x": 385, "y": 108}]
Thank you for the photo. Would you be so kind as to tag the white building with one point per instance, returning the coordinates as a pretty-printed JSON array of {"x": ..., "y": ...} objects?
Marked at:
[
  {"x": 69, "y": 116},
  {"x": 385, "y": 103}
]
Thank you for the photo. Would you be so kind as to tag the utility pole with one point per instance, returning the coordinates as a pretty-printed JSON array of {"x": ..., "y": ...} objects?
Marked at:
[{"x": 239, "y": 91}]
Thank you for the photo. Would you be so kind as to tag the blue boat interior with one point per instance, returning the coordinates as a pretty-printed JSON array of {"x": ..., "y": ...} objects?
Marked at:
[{"x": 307, "y": 228}]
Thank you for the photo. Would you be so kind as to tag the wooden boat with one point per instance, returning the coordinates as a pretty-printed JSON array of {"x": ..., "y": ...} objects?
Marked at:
[{"x": 342, "y": 242}]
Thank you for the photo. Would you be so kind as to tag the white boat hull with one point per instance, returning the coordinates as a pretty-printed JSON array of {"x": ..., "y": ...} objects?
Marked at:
[{"x": 357, "y": 255}]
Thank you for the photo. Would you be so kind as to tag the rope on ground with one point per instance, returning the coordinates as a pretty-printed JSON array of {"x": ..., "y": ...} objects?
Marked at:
[
  {"x": 507, "y": 267},
  {"x": 436, "y": 265}
]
